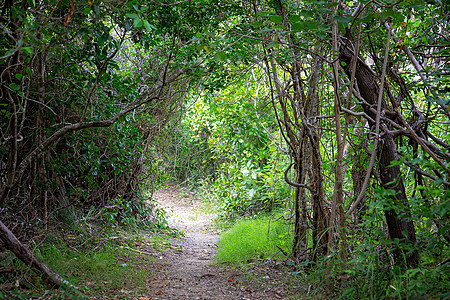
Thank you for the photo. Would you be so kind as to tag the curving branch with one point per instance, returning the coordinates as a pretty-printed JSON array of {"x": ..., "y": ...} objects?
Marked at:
[{"x": 294, "y": 184}]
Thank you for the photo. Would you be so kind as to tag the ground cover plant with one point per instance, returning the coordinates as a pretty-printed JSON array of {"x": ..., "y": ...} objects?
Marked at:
[
  {"x": 254, "y": 239},
  {"x": 116, "y": 264}
]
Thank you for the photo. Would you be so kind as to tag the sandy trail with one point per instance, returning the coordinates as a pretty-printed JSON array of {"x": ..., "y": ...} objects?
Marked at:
[{"x": 187, "y": 271}]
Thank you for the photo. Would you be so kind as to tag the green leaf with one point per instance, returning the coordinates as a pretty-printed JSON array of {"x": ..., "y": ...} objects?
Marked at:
[
  {"x": 395, "y": 163},
  {"x": 306, "y": 13},
  {"x": 138, "y": 23},
  {"x": 311, "y": 24},
  {"x": 276, "y": 19},
  {"x": 272, "y": 44},
  {"x": 297, "y": 26},
  {"x": 147, "y": 26},
  {"x": 14, "y": 86},
  {"x": 320, "y": 35},
  {"x": 87, "y": 10},
  {"x": 294, "y": 18},
  {"x": 388, "y": 12},
  {"x": 18, "y": 76},
  {"x": 220, "y": 56},
  {"x": 133, "y": 16},
  {"x": 332, "y": 4},
  {"x": 9, "y": 52},
  {"x": 437, "y": 100},
  {"x": 263, "y": 13},
  {"x": 5, "y": 112},
  {"x": 341, "y": 19},
  {"x": 257, "y": 24}
]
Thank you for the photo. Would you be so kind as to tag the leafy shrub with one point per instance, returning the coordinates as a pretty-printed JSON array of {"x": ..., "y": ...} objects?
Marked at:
[{"x": 249, "y": 189}]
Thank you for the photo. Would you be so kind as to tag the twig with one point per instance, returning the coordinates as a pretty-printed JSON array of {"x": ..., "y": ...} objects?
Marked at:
[
  {"x": 362, "y": 114},
  {"x": 139, "y": 251},
  {"x": 420, "y": 141}
]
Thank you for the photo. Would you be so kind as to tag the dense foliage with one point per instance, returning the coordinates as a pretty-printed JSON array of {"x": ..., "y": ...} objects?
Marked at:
[
  {"x": 68, "y": 68},
  {"x": 296, "y": 81},
  {"x": 335, "y": 112}
]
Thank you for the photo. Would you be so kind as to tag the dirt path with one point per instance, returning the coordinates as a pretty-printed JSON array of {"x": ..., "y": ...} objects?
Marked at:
[{"x": 187, "y": 272}]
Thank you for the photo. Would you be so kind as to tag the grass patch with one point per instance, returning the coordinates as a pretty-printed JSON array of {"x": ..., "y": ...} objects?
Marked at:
[
  {"x": 253, "y": 239},
  {"x": 110, "y": 267},
  {"x": 118, "y": 269}
]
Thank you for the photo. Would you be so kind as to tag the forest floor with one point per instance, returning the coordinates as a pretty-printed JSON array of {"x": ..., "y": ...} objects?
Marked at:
[
  {"x": 186, "y": 270},
  {"x": 154, "y": 266}
]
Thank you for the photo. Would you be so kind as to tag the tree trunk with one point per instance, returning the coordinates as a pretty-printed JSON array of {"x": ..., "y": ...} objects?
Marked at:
[
  {"x": 359, "y": 169},
  {"x": 320, "y": 218},
  {"x": 320, "y": 213},
  {"x": 336, "y": 222},
  {"x": 300, "y": 240},
  {"x": 366, "y": 82},
  {"x": 303, "y": 165},
  {"x": 391, "y": 178},
  {"x": 24, "y": 254}
]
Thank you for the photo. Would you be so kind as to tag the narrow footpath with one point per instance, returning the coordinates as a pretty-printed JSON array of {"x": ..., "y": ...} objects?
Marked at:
[{"x": 186, "y": 270}]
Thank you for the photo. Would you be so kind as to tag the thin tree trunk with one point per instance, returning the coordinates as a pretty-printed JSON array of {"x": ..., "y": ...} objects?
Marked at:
[
  {"x": 301, "y": 154},
  {"x": 39, "y": 138},
  {"x": 320, "y": 233},
  {"x": 336, "y": 218},
  {"x": 320, "y": 218},
  {"x": 300, "y": 240},
  {"x": 303, "y": 119},
  {"x": 303, "y": 165},
  {"x": 387, "y": 153}
]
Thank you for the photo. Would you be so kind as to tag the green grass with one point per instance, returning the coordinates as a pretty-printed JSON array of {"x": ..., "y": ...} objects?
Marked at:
[
  {"x": 112, "y": 265},
  {"x": 253, "y": 239},
  {"x": 106, "y": 270}
]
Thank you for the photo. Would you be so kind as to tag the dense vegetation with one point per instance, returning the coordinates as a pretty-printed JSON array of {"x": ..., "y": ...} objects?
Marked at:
[{"x": 334, "y": 116}]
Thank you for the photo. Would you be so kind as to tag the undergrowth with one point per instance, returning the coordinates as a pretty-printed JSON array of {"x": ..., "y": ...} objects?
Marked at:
[
  {"x": 254, "y": 239},
  {"x": 106, "y": 268},
  {"x": 367, "y": 273},
  {"x": 365, "y": 276},
  {"x": 105, "y": 254}
]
